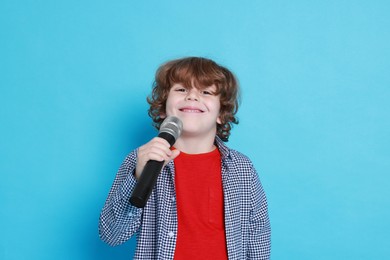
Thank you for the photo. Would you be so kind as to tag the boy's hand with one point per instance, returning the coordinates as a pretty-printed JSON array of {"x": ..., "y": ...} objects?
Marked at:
[{"x": 156, "y": 149}]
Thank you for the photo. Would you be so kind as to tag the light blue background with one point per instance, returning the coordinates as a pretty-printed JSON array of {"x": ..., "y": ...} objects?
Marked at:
[{"x": 314, "y": 116}]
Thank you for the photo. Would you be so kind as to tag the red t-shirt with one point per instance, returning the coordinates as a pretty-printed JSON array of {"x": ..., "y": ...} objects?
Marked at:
[{"x": 201, "y": 226}]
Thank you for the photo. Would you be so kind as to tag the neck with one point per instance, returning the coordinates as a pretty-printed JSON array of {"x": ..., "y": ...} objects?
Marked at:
[{"x": 195, "y": 145}]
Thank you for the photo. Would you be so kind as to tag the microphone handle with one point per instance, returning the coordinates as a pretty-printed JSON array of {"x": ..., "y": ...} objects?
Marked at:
[
  {"x": 147, "y": 181},
  {"x": 145, "y": 184}
]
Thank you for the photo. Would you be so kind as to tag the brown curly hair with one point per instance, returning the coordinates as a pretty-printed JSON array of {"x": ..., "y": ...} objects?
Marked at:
[{"x": 199, "y": 73}]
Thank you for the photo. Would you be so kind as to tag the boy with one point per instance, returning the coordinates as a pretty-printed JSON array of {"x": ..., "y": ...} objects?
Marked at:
[{"x": 208, "y": 202}]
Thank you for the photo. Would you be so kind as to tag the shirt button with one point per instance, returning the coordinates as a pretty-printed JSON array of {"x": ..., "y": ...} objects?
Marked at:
[
  {"x": 171, "y": 234},
  {"x": 130, "y": 214},
  {"x": 173, "y": 199}
]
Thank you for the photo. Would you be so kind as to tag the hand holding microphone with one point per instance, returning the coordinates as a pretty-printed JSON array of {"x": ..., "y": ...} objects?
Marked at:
[
  {"x": 156, "y": 152},
  {"x": 156, "y": 149}
]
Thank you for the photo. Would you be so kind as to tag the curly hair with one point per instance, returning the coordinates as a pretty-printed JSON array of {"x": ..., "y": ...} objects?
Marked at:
[{"x": 199, "y": 73}]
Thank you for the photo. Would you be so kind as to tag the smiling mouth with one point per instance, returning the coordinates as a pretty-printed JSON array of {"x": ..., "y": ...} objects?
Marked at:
[{"x": 191, "y": 110}]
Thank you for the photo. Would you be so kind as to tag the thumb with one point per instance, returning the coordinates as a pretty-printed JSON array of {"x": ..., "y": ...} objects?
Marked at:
[{"x": 175, "y": 153}]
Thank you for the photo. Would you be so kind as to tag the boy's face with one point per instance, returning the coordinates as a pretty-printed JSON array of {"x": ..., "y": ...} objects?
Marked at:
[{"x": 197, "y": 108}]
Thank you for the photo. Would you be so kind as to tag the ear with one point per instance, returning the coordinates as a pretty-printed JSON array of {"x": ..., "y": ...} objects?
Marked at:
[{"x": 219, "y": 121}]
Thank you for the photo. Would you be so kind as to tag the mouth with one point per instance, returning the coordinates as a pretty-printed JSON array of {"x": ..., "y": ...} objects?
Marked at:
[{"x": 191, "y": 110}]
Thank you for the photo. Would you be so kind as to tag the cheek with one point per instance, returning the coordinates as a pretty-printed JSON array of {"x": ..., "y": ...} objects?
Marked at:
[
  {"x": 168, "y": 104},
  {"x": 218, "y": 108},
  {"x": 170, "y": 107}
]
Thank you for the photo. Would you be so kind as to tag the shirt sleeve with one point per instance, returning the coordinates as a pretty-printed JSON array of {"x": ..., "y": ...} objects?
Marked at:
[
  {"x": 260, "y": 228},
  {"x": 119, "y": 220}
]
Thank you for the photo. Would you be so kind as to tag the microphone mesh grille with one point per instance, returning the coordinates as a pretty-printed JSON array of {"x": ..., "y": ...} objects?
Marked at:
[{"x": 172, "y": 125}]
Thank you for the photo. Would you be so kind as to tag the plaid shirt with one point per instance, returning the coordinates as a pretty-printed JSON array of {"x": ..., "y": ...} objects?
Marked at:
[{"x": 248, "y": 232}]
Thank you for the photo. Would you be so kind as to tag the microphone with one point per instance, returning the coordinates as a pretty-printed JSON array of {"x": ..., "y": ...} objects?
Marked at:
[{"x": 170, "y": 130}]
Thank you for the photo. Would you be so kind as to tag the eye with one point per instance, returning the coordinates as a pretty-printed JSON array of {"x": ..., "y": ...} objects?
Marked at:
[
  {"x": 207, "y": 92},
  {"x": 180, "y": 90}
]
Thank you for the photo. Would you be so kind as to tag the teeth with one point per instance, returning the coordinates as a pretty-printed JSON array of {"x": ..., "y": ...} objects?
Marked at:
[{"x": 192, "y": 110}]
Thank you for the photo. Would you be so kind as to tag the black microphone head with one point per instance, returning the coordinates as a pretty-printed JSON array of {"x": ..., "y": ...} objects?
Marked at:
[{"x": 172, "y": 125}]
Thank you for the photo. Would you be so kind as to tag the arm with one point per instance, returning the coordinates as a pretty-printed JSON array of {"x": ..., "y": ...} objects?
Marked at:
[
  {"x": 119, "y": 220},
  {"x": 260, "y": 229}
]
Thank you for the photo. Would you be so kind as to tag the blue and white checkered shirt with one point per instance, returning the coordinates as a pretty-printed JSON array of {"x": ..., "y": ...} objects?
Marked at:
[{"x": 248, "y": 231}]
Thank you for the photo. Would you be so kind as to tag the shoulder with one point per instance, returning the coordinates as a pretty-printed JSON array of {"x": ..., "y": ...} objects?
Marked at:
[
  {"x": 239, "y": 161},
  {"x": 234, "y": 159},
  {"x": 129, "y": 162},
  {"x": 238, "y": 157},
  {"x": 230, "y": 154}
]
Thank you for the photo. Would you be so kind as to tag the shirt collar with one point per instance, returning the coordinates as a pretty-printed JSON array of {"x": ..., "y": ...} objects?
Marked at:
[{"x": 223, "y": 149}]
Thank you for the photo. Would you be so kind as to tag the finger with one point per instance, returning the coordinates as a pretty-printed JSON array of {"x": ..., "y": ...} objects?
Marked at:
[
  {"x": 160, "y": 149},
  {"x": 150, "y": 153},
  {"x": 155, "y": 153},
  {"x": 153, "y": 146},
  {"x": 160, "y": 141},
  {"x": 156, "y": 144},
  {"x": 174, "y": 154},
  {"x": 158, "y": 156}
]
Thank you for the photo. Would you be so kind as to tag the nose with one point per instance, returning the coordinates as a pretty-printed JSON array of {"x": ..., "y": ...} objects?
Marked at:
[{"x": 192, "y": 95}]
